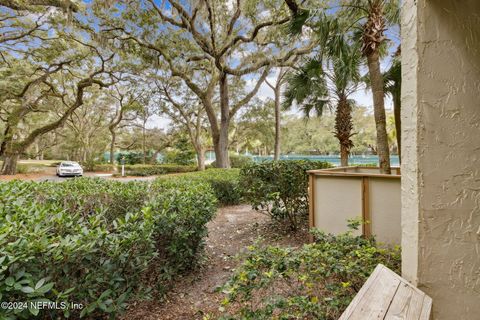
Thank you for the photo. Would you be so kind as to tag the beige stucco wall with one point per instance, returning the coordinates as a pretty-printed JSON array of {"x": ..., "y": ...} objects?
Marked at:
[{"x": 441, "y": 153}]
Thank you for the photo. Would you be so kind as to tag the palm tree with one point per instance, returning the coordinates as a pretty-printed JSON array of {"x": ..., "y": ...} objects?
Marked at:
[
  {"x": 319, "y": 84},
  {"x": 392, "y": 81},
  {"x": 367, "y": 19}
]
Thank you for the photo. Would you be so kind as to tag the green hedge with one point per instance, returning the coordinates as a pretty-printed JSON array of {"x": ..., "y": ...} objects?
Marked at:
[
  {"x": 156, "y": 169},
  {"x": 224, "y": 183},
  {"x": 236, "y": 161},
  {"x": 96, "y": 242},
  {"x": 103, "y": 167},
  {"x": 317, "y": 281},
  {"x": 279, "y": 188}
]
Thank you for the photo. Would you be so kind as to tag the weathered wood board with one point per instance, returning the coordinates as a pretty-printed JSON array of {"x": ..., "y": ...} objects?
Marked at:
[{"x": 387, "y": 296}]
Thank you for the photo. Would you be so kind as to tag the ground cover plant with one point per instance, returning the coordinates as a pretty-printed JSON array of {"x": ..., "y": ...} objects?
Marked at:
[
  {"x": 316, "y": 281},
  {"x": 279, "y": 188},
  {"x": 97, "y": 243},
  {"x": 224, "y": 182}
]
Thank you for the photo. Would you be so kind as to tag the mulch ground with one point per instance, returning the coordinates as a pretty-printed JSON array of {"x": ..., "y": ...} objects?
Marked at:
[{"x": 195, "y": 295}]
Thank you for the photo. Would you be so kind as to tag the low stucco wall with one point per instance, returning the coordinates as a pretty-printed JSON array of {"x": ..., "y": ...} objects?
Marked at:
[{"x": 340, "y": 194}]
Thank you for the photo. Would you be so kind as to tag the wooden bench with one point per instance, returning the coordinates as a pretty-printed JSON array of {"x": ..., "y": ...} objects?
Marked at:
[{"x": 385, "y": 295}]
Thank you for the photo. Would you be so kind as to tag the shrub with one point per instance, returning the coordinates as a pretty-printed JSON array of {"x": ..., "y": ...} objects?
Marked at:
[
  {"x": 237, "y": 161},
  {"x": 131, "y": 157},
  {"x": 141, "y": 170},
  {"x": 104, "y": 167},
  {"x": 224, "y": 183},
  {"x": 96, "y": 242},
  {"x": 279, "y": 188},
  {"x": 240, "y": 161},
  {"x": 30, "y": 168},
  {"x": 317, "y": 281}
]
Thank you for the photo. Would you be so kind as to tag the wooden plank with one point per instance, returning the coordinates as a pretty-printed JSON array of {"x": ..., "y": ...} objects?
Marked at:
[
  {"x": 311, "y": 204},
  {"x": 358, "y": 298},
  {"x": 406, "y": 305},
  {"x": 387, "y": 296},
  {"x": 346, "y": 171},
  {"x": 377, "y": 299},
  {"x": 366, "y": 217},
  {"x": 426, "y": 313}
]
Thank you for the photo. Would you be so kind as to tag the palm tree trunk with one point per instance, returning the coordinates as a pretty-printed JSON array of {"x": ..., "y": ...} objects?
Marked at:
[
  {"x": 376, "y": 79},
  {"x": 343, "y": 129}
]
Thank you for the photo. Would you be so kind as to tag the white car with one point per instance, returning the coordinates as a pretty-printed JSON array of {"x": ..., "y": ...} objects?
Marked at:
[{"x": 69, "y": 168}]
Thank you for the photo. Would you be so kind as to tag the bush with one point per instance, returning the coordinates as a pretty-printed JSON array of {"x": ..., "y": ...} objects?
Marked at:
[
  {"x": 30, "y": 168},
  {"x": 132, "y": 157},
  {"x": 97, "y": 242},
  {"x": 240, "y": 161},
  {"x": 103, "y": 167},
  {"x": 279, "y": 188},
  {"x": 141, "y": 170},
  {"x": 237, "y": 161},
  {"x": 224, "y": 183},
  {"x": 179, "y": 157},
  {"x": 317, "y": 281}
]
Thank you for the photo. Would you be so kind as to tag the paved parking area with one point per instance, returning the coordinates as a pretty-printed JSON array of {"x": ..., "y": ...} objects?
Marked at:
[{"x": 54, "y": 178}]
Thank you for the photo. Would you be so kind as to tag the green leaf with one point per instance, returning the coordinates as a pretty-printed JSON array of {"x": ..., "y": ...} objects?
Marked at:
[
  {"x": 45, "y": 288},
  {"x": 9, "y": 281},
  {"x": 40, "y": 283},
  {"x": 32, "y": 310},
  {"x": 27, "y": 289}
]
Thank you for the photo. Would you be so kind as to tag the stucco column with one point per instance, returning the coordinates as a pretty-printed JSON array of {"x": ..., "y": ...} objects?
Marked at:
[{"x": 441, "y": 153}]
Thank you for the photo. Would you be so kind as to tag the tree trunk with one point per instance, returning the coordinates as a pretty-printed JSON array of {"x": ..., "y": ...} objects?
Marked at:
[
  {"x": 37, "y": 151},
  {"x": 276, "y": 155},
  {"x": 144, "y": 148},
  {"x": 112, "y": 147},
  {"x": 221, "y": 143},
  {"x": 9, "y": 166},
  {"x": 201, "y": 159},
  {"x": 398, "y": 124},
  {"x": 379, "y": 111},
  {"x": 343, "y": 129}
]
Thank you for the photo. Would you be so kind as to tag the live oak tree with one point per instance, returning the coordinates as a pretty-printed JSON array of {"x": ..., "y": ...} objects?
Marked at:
[
  {"x": 277, "y": 91},
  {"x": 218, "y": 40},
  {"x": 254, "y": 128},
  {"x": 126, "y": 103},
  {"x": 86, "y": 129},
  {"x": 31, "y": 5},
  {"x": 51, "y": 78},
  {"x": 187, "y": 112}
]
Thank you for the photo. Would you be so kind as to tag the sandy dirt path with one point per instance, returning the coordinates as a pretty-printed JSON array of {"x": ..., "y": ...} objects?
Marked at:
[{"x": 194, "y": 296}]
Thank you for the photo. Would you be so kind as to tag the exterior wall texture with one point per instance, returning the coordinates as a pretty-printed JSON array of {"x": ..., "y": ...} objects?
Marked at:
[{"x": 441, "y": 153}]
